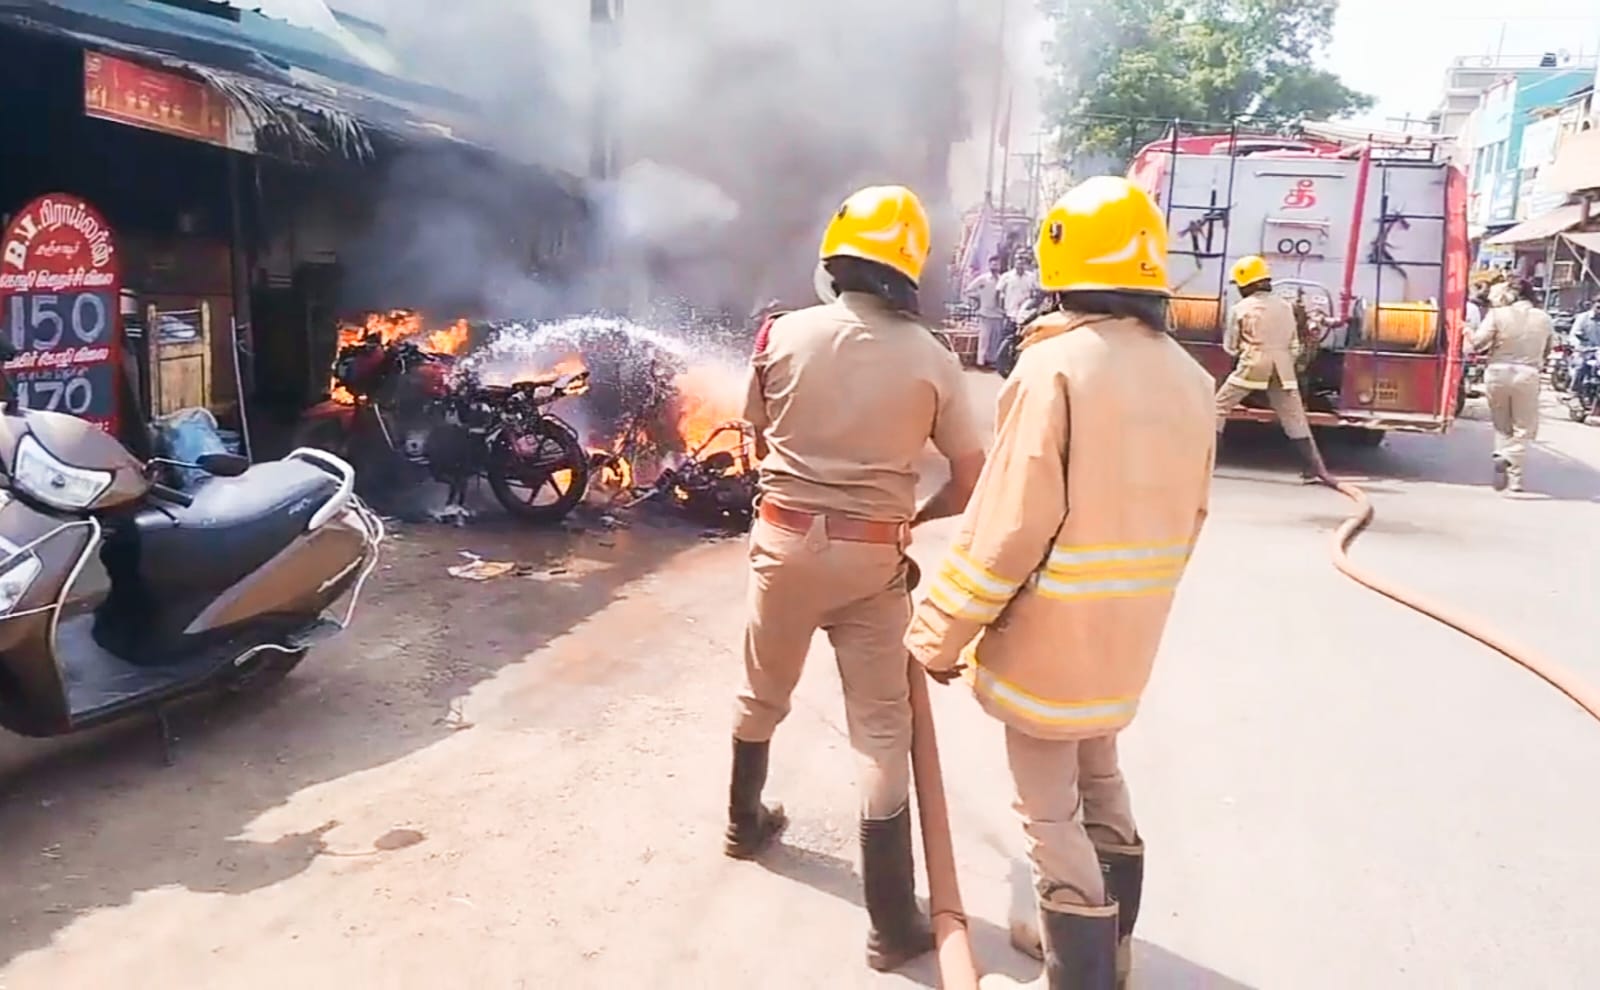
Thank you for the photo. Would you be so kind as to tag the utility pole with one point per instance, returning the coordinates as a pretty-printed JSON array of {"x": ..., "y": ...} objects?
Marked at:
[
  {"x": 999, "y": 91},
  {"x": 605, "y": 18}
]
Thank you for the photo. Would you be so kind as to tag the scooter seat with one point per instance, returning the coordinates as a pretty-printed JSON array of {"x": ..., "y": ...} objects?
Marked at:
[{"x": 234, "y": 526}]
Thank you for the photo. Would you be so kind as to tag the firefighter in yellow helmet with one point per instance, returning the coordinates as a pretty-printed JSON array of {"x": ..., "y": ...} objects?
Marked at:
[
  {"x": 1053, "y": 598},
  {"x": 1264, "y": 336},
  {"x": 845, "y": 396}
]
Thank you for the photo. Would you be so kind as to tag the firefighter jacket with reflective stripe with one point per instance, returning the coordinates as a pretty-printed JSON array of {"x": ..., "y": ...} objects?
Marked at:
[
  {"x": 1263, "y": 333},
  {"x": 1056, "y": 590},
  {"x": 1516, "y": 334}
]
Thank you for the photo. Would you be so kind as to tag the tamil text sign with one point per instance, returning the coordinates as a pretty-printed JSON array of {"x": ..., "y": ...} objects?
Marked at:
[
  {"x": 60, "y": 283},
  {"x": 140, "y": 96}
]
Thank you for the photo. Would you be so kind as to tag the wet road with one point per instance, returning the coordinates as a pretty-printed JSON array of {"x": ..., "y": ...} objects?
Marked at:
[{"x": 521, "y": 783}]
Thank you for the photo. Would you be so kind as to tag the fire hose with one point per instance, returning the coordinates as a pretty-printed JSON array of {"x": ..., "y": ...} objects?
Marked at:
[
  {"x": 957, "y": 966},
  {"x": 958, "y": 969},
  {"x": 1553, "y": 673}
]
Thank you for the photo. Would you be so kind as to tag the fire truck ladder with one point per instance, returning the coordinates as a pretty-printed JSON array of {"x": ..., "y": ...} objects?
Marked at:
[
  {"x": 1197, "y": 239},
  {"x": 1377, "y": 255}
]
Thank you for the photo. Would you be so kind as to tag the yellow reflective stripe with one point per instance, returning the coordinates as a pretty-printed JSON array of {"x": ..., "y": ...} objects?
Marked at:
[
  {"x": 1051, "y": 587},
  {"x": 979, "y": 578},
  {"x": 1072, "y": 555},
  {"x": 1082, "y": 714},
  {"x": 954, "y": 602}
]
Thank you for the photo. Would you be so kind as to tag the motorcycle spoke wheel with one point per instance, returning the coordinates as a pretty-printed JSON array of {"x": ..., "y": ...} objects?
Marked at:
[{"x": 549, "y": 491}]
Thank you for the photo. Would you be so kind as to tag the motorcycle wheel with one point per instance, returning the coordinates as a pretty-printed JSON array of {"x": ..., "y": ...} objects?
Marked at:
[
  {"x": 507, "y": 482},
  {"x": 1005, "y": 362},
  {"x": 1578, "y": 410},
  {"x": 1560, "y": 381}
]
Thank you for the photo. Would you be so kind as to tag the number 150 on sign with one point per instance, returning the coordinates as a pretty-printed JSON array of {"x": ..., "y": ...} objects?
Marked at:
[{"x": 43, "y": 322}]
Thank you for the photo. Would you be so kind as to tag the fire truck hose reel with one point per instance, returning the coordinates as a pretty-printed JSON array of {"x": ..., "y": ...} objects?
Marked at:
[{"x": 1553, "y": 673}]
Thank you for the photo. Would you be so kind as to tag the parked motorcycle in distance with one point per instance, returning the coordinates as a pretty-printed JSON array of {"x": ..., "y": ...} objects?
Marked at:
[
  {"x": 119, "y": 594},
  {"x": 414, "y": 414},
  {"x": 1584, "y": 401},
  {"x": 1559, "y": 364}
]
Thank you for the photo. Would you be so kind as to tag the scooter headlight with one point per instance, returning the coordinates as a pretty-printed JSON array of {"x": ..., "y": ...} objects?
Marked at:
[
  {"x": 39, "y": 474},
  {"x": 16, "y": 579}
]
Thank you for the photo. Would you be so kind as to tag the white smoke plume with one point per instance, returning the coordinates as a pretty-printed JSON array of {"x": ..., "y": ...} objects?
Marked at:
[{"x": 740, "y": 126}]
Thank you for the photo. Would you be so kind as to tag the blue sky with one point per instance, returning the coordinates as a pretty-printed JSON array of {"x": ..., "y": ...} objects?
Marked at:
[{"x": 1397, "y": 50}]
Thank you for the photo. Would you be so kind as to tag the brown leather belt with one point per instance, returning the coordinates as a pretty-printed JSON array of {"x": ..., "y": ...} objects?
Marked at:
[{"x": 839, "y": 527}]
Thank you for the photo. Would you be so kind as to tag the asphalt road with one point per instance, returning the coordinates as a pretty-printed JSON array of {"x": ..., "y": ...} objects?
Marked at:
[{"x": 521, "y": 783}]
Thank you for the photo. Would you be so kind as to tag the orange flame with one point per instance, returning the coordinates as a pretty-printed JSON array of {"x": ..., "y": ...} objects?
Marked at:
[
  {"x": 397, "y": 325},
  {"x": 707, "y": 398}
]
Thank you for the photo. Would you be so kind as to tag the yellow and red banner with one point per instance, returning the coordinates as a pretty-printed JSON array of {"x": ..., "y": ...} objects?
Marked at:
[{"x": 157, "y": 100}]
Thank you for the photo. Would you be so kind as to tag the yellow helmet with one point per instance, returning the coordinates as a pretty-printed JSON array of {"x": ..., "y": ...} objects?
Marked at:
[
  {"x": 1105, "y": 234},
  {"x": 886, "y": 224},
  {"x": 1250, "y": 270}
]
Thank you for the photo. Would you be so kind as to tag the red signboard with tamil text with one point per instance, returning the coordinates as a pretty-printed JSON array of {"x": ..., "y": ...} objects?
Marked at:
[
  {"x": 140, "y": 96},
  {"x": 60, "y": 285}
]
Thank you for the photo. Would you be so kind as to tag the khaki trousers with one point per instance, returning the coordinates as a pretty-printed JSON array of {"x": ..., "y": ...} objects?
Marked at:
[
  {"x": 1285, "y": 403},
  {"x": 1068, "y": 795},
  {"x": 857, "y": 593},
  {"x": 1513, "y": 392}
]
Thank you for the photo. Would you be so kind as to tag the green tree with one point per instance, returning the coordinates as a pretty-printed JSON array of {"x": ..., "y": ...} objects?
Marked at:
[{"x": 1122, "y": 67}]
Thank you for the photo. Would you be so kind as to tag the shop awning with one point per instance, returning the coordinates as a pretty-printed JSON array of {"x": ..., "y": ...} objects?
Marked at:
[
  {"x": 1542, "y": 227},
  {"x": 269, "y": 67},
  {"x": 1577, "y": 164},
  {"x": 1589, "y": 240}
]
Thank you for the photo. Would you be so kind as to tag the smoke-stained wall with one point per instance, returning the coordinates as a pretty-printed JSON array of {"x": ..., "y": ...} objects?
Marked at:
[{"x": 741, "y": 125}]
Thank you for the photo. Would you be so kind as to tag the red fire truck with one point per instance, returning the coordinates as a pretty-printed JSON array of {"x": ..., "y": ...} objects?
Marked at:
[{"x": 1368, "y": 240}]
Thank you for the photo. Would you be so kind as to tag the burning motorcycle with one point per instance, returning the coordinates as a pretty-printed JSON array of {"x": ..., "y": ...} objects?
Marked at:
[
  {"x": 414, "y": 414},
  {"x": 715, "y": 485}
]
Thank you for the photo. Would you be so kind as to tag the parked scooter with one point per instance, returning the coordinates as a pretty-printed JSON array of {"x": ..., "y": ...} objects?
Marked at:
[{"x": 119, "y": 594}]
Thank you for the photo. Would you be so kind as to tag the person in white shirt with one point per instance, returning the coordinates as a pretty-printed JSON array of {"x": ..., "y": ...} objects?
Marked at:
[
  {"x": 1017, "y": 286},
  {"x": 984, "y": 291}
]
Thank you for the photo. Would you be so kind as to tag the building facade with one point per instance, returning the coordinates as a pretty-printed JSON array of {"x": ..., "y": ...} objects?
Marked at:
[{"x": 1497, "y": 129}]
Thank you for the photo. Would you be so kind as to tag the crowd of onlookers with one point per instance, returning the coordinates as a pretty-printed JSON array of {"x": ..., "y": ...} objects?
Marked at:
[{"x": 1000, "y": 298}]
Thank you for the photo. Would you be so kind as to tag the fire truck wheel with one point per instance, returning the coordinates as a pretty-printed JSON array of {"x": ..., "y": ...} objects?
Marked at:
[{"x": 1360, "y": 436}]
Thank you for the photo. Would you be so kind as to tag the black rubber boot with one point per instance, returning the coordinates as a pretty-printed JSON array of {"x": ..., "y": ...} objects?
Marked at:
[
  {"x": 1123, "y": 869},
  {"x": 1080, "y": 948},
  {"x": 752, "y": 826},
  {"x": 1313, "y": 471},
  {"x": 900, "y": 931}
]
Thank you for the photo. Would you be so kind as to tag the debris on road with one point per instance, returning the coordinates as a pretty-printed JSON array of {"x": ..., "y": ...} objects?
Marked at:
[{"x": 478, "y": 569}]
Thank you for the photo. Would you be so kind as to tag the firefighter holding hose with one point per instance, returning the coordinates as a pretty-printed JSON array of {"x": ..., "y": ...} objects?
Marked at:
[
  {"x": 1053, "y": 598},
  {"x": 845, "y": 396},
  {"x": 1265, "y": 337}
]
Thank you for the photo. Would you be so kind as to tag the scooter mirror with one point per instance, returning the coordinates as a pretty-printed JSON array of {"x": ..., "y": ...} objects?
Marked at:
[{"x": 223, "y": 465}]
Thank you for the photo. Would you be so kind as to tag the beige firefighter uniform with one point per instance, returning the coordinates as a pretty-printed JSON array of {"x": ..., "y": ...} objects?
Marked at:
[
  {"x": 1057, "y": 588},
  {"x": 848, "y": 396},
  {"x": 1263, "y": 333},
  {"x": 1516, "y": 340}
]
